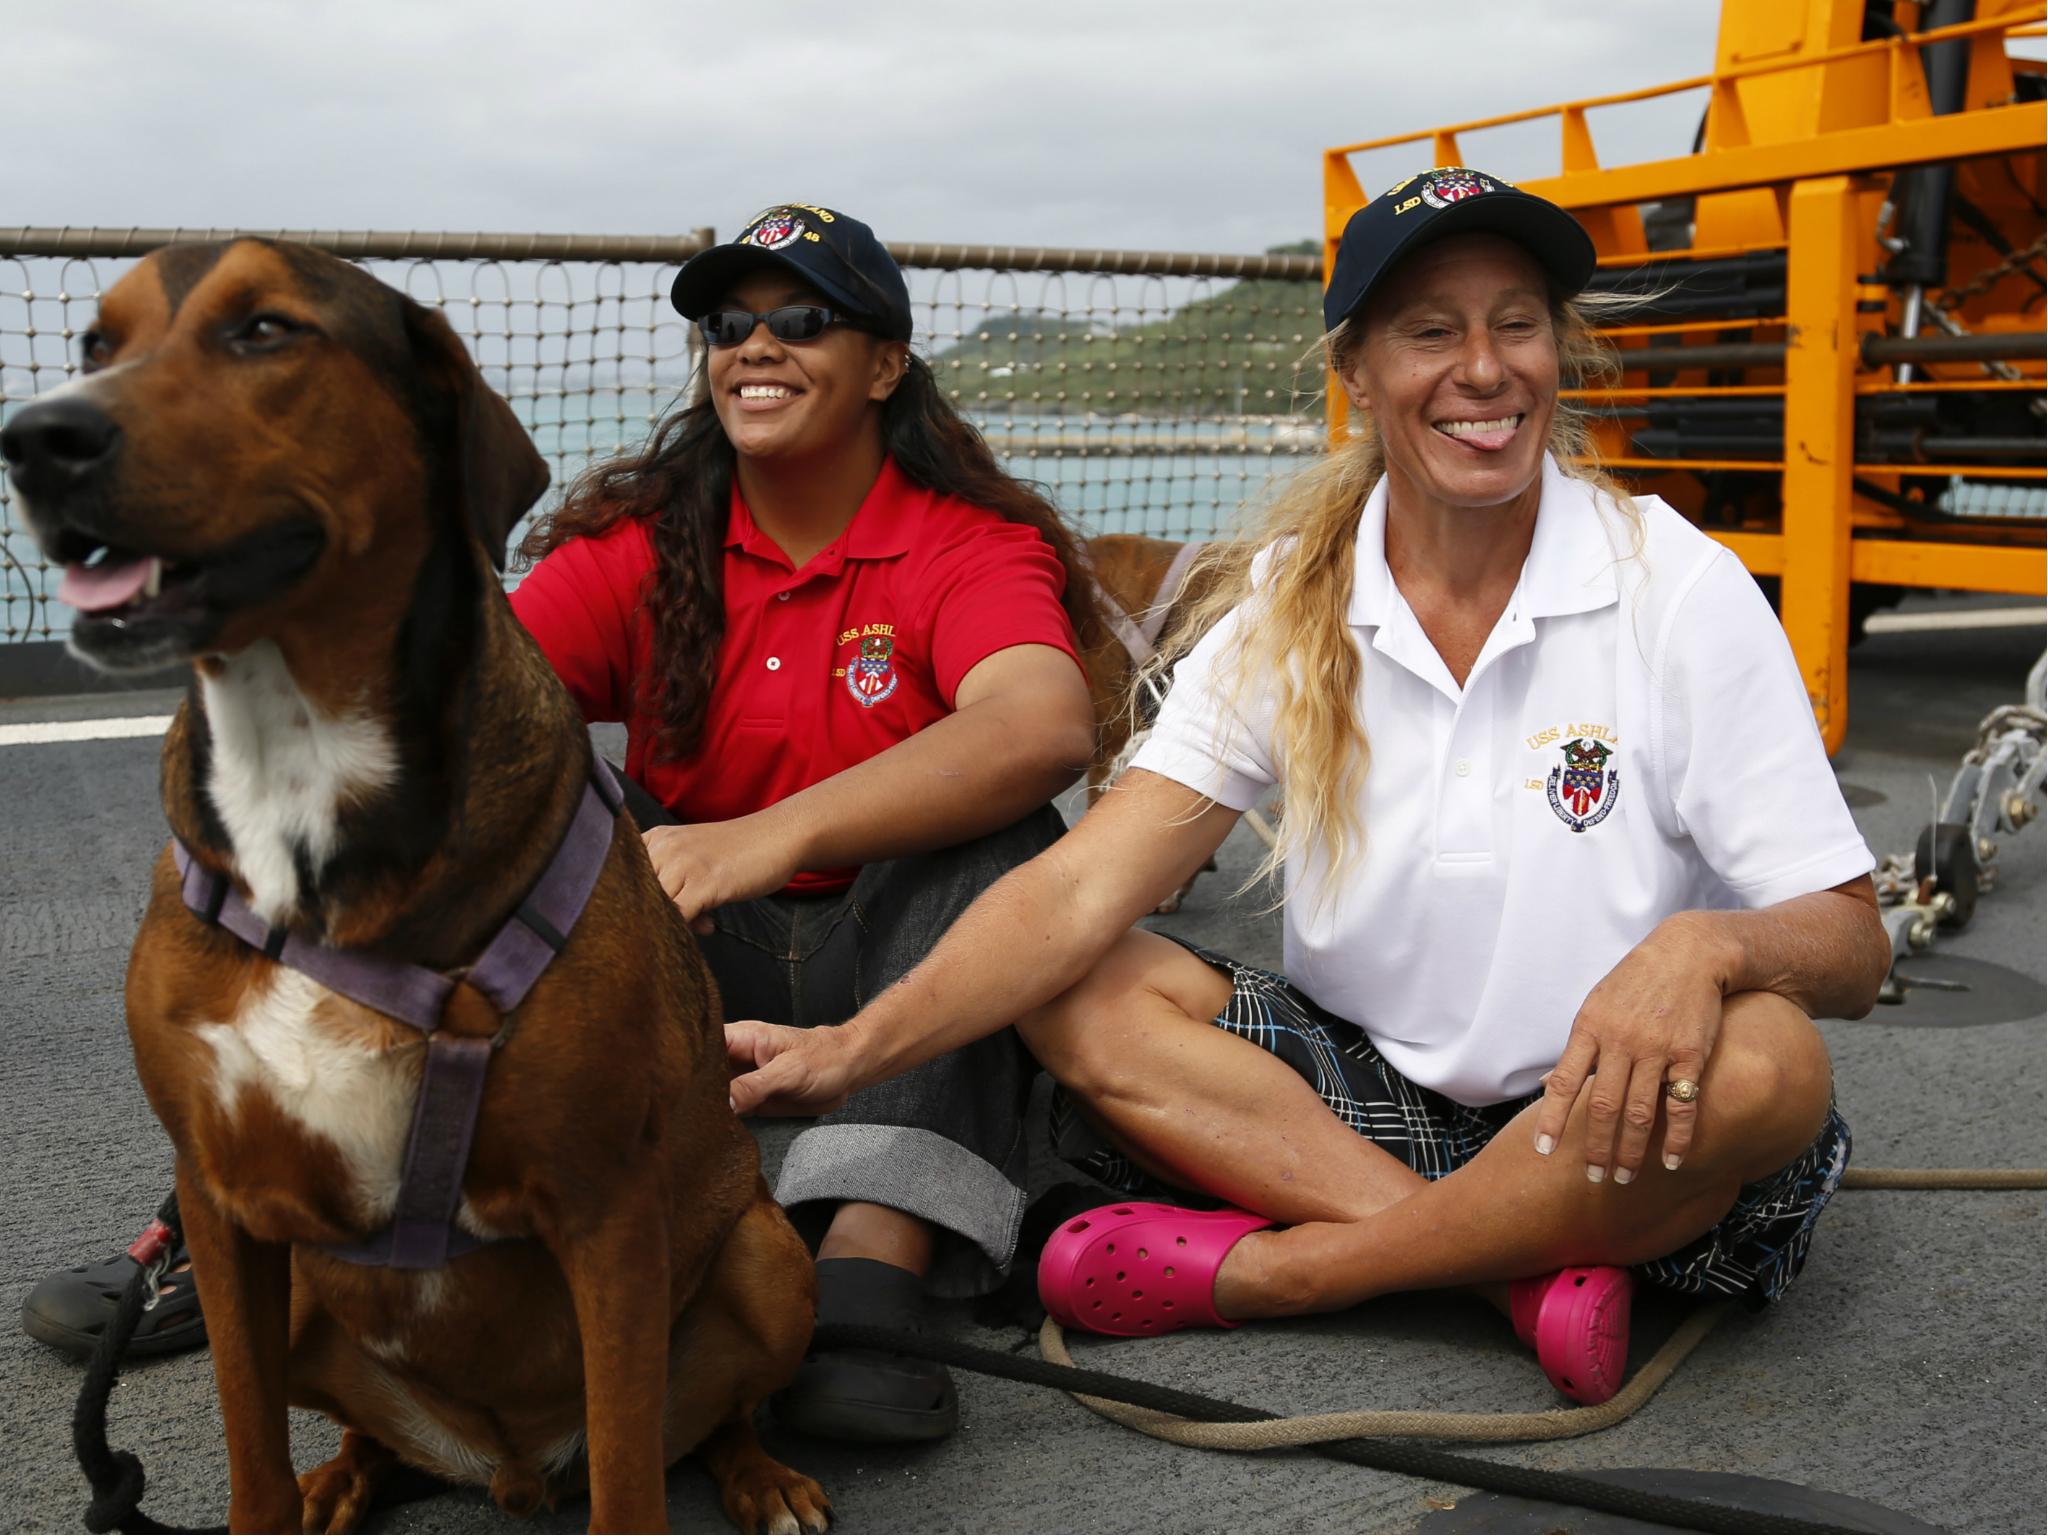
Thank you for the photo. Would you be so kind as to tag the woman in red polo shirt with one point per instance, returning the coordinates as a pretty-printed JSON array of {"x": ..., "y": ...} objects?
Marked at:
[{"x": 843, "y": 642}]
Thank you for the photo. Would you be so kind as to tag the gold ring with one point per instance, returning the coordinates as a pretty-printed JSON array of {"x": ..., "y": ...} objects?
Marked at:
[{"x": 1682, "y": 1090}]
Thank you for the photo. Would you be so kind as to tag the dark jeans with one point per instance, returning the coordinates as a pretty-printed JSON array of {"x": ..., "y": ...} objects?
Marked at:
[{"x": 943, "y": 1141}]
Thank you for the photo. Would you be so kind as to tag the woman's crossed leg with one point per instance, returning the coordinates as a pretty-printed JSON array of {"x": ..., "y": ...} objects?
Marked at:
[{"x": 1202, "y": 1108}]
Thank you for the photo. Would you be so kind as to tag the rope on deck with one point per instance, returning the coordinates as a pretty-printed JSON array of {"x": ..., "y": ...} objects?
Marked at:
[
  {"x": 1553, "y": 1424},
  {"x": 1401, "y": 1423},
  {"x": 1165, "y": 1410},
  {"x": 1945, "y": 1178}
]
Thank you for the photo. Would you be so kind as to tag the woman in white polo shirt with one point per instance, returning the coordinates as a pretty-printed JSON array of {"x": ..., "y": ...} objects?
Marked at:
[{"x": 1568, "y": 876}]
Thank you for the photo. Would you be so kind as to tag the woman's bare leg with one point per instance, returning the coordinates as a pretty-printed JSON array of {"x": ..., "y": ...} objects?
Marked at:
[
  {"x": 1208, "y": 1110},
  {"x": 1133, "y": 1040}
]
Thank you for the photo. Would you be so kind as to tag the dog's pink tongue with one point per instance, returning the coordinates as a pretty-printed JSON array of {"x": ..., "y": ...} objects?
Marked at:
[{"x": 96, "y": 588}]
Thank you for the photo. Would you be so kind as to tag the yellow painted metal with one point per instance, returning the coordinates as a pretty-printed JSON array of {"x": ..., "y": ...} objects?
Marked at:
[
  {"x": 1677, "y": 326},
  {"x": 1806, "y": 125},
  {"x": 2022, "y": 572},
  {"x": 1672, "y": 391},
  {"x": 1763, "y": 553},
  {"x": 1963, "y": 136},
  {"x": 1698, "y": 252},
  {"x": 1966, "y": 567},
  {"x": 1342, "y": 197},
  {"x": 1820, "y": 441},
  {"x": 1752, "y": 466}
]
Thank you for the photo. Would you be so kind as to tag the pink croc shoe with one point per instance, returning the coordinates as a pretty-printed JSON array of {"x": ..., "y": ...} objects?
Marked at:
[
  {"x": 1140, "y": 1269},
  {"x": 1577, "y": 1322}
]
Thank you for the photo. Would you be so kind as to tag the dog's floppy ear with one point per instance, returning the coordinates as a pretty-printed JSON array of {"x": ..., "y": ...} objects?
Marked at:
[{"x": 502, "y": 474}]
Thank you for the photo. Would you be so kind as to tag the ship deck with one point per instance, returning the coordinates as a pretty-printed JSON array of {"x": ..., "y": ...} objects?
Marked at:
[{"x": 1905, "y": 1369}]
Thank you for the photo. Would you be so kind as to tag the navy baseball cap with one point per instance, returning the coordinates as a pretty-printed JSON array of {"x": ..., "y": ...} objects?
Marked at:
[
  {"x": 1451, "y": 200},
  {"x": 836, "y": 254}
]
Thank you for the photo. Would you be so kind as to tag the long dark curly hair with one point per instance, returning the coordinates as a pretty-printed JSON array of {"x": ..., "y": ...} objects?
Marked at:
[{"x": 681, "y": 484}]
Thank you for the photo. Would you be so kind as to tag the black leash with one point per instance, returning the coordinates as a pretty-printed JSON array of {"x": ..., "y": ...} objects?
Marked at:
[
  {"x": 1381, "y": 1455},
  {"x": 116, "y": 1476}
]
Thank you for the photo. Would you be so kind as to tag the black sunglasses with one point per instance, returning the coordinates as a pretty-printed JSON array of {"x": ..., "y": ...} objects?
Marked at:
[{"x": 792, "y": 322}]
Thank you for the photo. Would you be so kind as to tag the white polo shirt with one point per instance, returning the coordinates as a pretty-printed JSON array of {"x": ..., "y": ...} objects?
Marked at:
[{"x": 1633, "y": 741}]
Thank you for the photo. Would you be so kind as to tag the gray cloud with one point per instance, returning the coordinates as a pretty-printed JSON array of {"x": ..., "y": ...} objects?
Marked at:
[{"x": 1193, "y": 126}]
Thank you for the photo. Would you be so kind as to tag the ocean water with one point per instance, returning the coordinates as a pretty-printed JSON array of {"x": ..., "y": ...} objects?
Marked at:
[{"x": 1171, "y": 477}]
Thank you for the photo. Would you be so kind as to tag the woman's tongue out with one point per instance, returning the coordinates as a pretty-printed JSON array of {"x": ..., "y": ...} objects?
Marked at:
[{"x": 1489, "y": 436}]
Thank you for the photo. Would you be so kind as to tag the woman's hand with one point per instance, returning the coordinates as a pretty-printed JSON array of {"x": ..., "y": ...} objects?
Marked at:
[
  {"x": 1651, "y": 1021},
  {"x": 712, "y": 863},
  {"x": 783, "y": 1071}
]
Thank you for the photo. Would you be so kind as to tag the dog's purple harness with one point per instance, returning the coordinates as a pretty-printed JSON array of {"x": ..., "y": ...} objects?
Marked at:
[{"x": 422, "y": 1233}]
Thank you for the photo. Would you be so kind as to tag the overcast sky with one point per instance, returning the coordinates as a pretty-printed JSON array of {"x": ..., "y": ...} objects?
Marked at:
[{"x": 1193, "y": 126}]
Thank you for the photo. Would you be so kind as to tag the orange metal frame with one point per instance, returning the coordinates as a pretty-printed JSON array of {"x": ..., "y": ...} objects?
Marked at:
[{"x": 1804, "y": 127}]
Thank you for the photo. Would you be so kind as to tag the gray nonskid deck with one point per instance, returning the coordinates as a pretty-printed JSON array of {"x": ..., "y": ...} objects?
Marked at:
[{"x": 1906, "y": 1367}]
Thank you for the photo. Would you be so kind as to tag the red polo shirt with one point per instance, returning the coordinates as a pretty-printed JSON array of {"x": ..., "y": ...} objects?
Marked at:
[{"x": 821, "y": 668}]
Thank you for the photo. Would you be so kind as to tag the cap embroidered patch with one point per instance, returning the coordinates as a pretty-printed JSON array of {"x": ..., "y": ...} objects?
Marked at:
[
  {"x": 772, "y": 231},
  {"x": 1454, "y": 185}
]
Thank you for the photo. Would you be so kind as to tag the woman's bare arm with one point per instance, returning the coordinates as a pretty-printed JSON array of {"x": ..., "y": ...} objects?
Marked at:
[
  {"x": 1021, "y": 730},
  {"x": 1655, "y": 1017},
  {"x": 1032, "y": 935},
  {"x": 1022, "y": 727}
]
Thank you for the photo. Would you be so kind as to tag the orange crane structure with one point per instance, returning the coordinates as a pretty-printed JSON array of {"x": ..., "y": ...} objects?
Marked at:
[{"x": 1840, "y": 374}]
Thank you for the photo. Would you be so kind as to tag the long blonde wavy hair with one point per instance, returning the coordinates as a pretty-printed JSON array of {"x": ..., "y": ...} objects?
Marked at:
[{"x": 1298, "y": 640}]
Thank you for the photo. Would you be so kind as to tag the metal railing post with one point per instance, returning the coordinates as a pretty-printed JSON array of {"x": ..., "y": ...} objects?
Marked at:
[{"x": 693, "y": 339}]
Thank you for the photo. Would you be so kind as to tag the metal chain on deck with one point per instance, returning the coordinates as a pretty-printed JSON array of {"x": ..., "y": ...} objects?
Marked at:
[
  {"x": 1944, "y": 305},
  {"x": 1955, "y": 298}
]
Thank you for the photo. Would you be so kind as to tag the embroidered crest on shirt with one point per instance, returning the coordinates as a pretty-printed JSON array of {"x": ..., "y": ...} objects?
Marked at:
[
  {"x": 871, "y": 675},
  {"x": 1583, "y": 788}
]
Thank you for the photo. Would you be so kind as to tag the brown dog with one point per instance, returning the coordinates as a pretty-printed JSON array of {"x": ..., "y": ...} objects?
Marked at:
[
  {"x": 1133, "y": 573},
  {"x": 299, "y": 482}
]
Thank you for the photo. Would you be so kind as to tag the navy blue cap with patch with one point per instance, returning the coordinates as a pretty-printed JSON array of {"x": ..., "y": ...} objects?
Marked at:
[
  {"x": 836, "y": 254},
  {"x": 1452, "y": 200}
]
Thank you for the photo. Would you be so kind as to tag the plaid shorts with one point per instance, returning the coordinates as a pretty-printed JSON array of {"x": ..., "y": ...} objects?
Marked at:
[{"x": 1752, "y": 1254}]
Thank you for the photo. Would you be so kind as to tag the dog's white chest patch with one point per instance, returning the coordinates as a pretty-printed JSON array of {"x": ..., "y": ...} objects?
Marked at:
[
  {"x": 280, "y": 771},
  {"x": 342, "y": 1090}
]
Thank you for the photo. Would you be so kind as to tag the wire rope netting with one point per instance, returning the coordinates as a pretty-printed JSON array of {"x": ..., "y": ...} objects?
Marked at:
[{"x": 1145, "y": 402}]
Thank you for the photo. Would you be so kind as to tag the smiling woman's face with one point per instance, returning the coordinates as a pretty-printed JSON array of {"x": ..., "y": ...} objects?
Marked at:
[
  {"x": 797, "y": 398},
  {"x": 1458, "y": 366}
]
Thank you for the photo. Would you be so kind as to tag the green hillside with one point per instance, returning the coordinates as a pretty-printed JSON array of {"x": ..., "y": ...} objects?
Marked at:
[{"x": 1231, "y": 352}]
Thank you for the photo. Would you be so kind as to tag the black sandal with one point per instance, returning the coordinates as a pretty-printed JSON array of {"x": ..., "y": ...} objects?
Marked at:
[
  {"x": 71, "y": 1309},
  {"x": 863, "y": 1394}
]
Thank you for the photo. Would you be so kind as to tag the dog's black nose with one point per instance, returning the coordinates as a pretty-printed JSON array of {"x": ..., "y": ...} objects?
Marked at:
[{"x": 51, "y": 442}]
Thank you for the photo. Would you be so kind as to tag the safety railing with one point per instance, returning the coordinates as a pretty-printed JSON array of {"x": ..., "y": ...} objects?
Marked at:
[{"x": 1150, "y": 392}]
